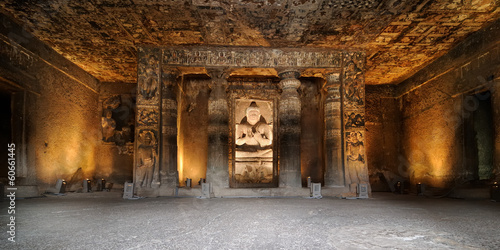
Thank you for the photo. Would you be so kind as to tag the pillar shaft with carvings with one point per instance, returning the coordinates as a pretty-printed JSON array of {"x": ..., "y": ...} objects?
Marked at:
[
  {"x": 289, "y": 111},
  {"x": 147, "y": 131},
  {"x": 353, "y": 112},
  {"x": 218, "y": 130},
  {"x": 168, "y": 165},
  {"x": 334, "y": 170}
]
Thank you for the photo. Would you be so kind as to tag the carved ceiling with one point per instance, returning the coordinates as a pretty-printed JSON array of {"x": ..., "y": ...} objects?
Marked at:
[{"x": 398, "y": 36}]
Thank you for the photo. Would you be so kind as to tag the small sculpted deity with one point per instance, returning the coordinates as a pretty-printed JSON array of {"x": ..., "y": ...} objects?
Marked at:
[
  {"x": 108, "y": 126},
  {"x": 356, "y": 159},
  {"x": 147, "y": 158}
]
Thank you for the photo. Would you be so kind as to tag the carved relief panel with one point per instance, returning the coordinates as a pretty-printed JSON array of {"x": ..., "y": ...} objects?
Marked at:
[
  {"x": 254, "y": 141},
  {"x": 148, "y": 73},
  {"x": 354, "y": 119},
  {"x": 147, "y": 158},
  {"x": 354, "y": 85},
  {"x": 117, "y": 122},
  {"x": 253, "y": 131}
]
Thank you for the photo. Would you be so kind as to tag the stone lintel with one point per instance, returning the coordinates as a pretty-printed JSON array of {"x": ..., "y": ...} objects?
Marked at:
[{"x": 251, "y": 57}]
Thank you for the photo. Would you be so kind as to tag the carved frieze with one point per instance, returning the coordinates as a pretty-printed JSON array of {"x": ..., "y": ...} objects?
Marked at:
[
  {"x": 353, "y": 81},
  {"x": 251, "y": 57},
  {"x": 252, "y": 88},
  {"x": 147, "y": 117},
  {"x": 353, "y": 120}
]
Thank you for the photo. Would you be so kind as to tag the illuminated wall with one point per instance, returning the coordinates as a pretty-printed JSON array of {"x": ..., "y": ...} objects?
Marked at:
[
  {"x": 436, "y": 104},
  {"x": 312, "y": 164},
  {"x": 432, "y": 138},
  {"x": 58, "y": 104},
  {"x": 193, "y": 133},
  {"x": 418, "y": 130},
  {"x": 115, "y": 156}
]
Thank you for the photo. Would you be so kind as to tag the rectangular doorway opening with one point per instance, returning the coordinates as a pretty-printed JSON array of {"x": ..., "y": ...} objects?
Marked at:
[{"x": 478, "y": 136}]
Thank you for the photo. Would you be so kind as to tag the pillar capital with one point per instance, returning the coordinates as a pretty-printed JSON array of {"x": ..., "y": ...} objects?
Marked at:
[
  {"x": 288, "y": 73},
  {"x": 332, "y": 79},
  {"x": 218, "y": 73},
  {"x": 219, "y": 76},
  {"x": 289, "y": 79},
  {"x": 332, "y": 86}
]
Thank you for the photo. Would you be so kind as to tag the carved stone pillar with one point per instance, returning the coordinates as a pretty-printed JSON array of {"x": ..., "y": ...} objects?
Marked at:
[
  {"x": 168, "y": 165},
  {"x": 353, "y": 112},
  {"x": 146, "y": 166},
  {"x": 289, "y": 130},
  {"x": 334, "y": 170},
  {"x": 218, "y": 130}
]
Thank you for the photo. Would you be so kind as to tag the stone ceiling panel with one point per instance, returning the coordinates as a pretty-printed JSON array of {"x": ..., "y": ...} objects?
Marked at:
[{"x": 398, "y": 36}]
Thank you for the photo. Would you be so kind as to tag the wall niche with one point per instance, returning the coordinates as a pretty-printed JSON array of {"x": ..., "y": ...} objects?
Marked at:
[{"x": 118, "y": 122}]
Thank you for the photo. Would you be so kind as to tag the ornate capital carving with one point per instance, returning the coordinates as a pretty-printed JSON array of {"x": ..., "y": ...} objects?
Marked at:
[
  {"x": 289, "y": 79},
  {"x": 290, "y": 83},
  {"x": 288, "y": 73},
  {"x": 219, "y": 76}
]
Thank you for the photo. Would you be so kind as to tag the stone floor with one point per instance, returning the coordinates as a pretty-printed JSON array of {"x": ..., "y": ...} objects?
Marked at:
[{"x": 103, "y": 220}]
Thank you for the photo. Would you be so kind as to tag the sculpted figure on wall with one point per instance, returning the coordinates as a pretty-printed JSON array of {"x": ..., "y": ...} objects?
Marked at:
[
  {"x": 108, "y": 126},
  {"x": 355, "y": 154},
  {"x": 254, "y": 152},
  {"x": 117, "y": 121},
  {"x": 354, "y": 86},
  {"x": 253, "y": 134},
  {"x": 148, "y": 79},
  {"x": 147, "y": 158}
]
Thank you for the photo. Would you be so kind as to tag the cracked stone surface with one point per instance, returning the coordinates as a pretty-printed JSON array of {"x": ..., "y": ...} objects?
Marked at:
[{"x": 103, "y": 220}]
